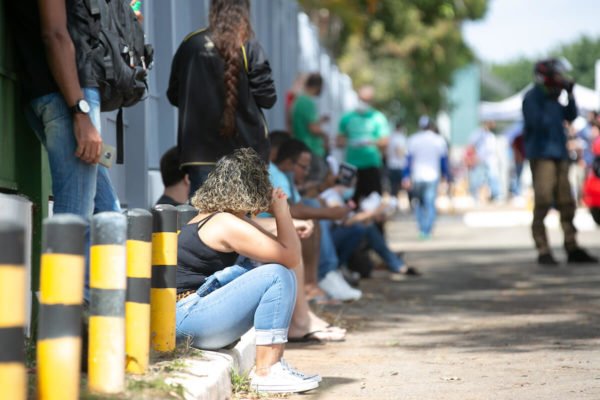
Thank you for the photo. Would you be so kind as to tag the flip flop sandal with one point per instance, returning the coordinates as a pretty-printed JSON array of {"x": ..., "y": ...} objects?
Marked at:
[
  {"x": 320, "y": 336},
  {"x": 410, "y": 271},
  {"x": 324, "y": 301}
]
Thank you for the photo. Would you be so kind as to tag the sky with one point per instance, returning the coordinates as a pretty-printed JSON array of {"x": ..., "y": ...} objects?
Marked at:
[{"x": 514, "y": 28}]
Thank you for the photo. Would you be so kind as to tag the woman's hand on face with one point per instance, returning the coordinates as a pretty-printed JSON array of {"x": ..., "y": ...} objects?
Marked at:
[{"x": 278, "y": 202}]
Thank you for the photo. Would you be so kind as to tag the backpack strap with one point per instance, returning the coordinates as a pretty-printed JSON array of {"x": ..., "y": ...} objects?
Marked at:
[{"x": 120, "y": 143}]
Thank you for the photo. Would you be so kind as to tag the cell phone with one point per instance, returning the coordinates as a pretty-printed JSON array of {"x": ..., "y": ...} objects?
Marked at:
[
  {"x": 107, "y": 155},
  {"x": 346, "y": 174}
]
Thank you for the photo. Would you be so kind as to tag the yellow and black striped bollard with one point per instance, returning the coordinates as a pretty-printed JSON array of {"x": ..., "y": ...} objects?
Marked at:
[
  {"x": 185, "y": 213},
  {"x": 164, "y": 268},
  {"x": 61, "y": 297},
  {"x": 13, "y": 375},
  {"x": 108, "y": 281},
  {"x": 139, "y": 273}
]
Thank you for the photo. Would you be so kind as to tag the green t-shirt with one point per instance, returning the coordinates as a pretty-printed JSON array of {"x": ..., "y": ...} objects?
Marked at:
[
  {"x": 362, "y": 130},
  {"x": 305, "y": 113}
]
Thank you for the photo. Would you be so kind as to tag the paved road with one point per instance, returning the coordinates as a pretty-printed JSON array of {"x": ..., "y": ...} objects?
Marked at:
[{"x": 484, "y": 322}]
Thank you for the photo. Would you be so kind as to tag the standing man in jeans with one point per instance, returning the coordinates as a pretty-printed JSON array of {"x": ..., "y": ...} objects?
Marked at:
[
  {"x": 546, "y": 149},
  {"x": 63, "y": 106},
  {"x": 427, "y": 157}
]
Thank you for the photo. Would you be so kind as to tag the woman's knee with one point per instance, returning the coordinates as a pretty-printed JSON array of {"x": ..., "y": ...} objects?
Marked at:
[
  {"x": 279, "y": 273},
  {"x": 280, "y": 276}
]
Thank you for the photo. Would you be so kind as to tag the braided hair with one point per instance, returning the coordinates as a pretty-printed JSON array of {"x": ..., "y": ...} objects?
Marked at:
[{"x": 230, "y": 28}]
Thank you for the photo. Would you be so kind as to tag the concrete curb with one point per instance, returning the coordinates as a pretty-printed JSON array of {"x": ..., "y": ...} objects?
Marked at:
[{"x": 209, "y": 378}]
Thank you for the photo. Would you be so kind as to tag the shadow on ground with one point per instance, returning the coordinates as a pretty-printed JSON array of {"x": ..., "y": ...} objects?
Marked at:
[{"x": 486, "y": 300}]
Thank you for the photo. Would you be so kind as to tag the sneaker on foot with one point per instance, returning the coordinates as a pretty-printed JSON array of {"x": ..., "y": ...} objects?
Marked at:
[
  {"x": 546, "y": 260},
  {"x": 352, "y": 277},
  {"x": 280, "y": 380},
  {"x": 337, "y": 288},
  {"x": 580, "y": 256},
  {"x": 307, "y": 377}
]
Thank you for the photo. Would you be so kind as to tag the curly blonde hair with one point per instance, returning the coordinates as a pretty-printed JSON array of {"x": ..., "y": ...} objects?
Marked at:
[{"x": 238, "y": 184}]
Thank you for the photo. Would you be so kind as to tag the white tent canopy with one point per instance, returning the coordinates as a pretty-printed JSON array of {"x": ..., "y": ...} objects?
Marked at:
[{"x": 509, "y": 109}]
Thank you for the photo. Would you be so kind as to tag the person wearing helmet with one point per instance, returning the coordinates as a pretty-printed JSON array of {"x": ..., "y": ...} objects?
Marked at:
[{"x": 546, "y": 149}]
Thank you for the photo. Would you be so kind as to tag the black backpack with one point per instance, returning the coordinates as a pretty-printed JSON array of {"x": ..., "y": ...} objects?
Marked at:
[{"x": 112, "y": 41}]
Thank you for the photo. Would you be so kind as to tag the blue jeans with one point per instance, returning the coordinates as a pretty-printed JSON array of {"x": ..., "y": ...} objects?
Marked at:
[
  {"x": 515, "y": 180},
  {"x": 482, "y": 175},
  {"x": 328, "y": 256},
  {"x": 78, "y": 188},
  {"x": 262, "y": 298},
  {"x": 425, "y": 193},
  {"x": 395, "y": 181},
  {"x": 377, "y": 242},
  {"x": 347, "y": 239}
]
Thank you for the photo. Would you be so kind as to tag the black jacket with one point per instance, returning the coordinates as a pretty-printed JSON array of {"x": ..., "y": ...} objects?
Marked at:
[{"x": 197, "y": 88}]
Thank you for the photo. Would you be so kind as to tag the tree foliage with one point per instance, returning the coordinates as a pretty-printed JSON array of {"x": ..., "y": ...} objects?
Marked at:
[{"x": 408, "y": 49}]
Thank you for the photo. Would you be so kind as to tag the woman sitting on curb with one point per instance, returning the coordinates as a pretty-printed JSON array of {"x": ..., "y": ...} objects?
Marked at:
[{"x": 219, "y": 301}]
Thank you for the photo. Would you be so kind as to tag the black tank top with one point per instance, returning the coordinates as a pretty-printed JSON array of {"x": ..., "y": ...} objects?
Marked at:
[{"x": 195, "y": 260}]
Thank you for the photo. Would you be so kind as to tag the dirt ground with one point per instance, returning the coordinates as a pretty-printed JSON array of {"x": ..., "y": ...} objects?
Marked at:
[{"x": 484, "y": 322}]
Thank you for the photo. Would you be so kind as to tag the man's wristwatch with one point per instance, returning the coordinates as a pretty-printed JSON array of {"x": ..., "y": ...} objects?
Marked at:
[{"x": 81, "y": 107}]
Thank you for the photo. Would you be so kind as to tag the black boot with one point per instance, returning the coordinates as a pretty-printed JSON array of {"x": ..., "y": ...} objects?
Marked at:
[
  {"x": 547, "y": 260},
  {"x": 580, "y": 256}
]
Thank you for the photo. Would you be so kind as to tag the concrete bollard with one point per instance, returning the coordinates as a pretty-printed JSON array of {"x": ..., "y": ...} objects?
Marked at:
[
  {"x": 108, "y": 281},
  {"x": 137, "y": 306},
  {"x": 185, "y": 213},
  {"x": 13, "y": 375},
  {"x": 61, "y": 298},
  {"x": 163, "y": 295}
]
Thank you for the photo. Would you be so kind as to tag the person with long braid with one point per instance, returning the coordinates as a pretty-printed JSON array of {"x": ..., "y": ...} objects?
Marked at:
[{"x": 220, "y": 82}]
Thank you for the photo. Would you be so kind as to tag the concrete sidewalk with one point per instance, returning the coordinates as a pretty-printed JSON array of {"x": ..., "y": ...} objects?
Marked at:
[{"x": 484, "y": 322}]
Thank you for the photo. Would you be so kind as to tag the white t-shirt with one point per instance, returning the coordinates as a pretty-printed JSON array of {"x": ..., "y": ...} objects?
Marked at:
[
  {"x": 485, "y": 145},
  {"x": 426, "y": 149},
  {"x": 396, "y": 151}
]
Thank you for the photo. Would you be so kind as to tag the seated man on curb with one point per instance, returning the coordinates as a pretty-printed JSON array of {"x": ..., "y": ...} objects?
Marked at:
[
  {"x": 176, "y": 182},
  {"x": 216, "y": 303},
  {"x": 305, "y": 325},
  {"x": 292, "y": 162}
]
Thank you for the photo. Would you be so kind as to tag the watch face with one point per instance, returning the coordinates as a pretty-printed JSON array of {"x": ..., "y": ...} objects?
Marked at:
[{"x": 84, "y": 106}]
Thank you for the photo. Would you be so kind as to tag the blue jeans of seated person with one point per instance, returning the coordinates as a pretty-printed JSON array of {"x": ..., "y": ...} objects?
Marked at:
[
  {"x": 377, "y": 242},
  {"x": 424, "y": 194},
  {"x": 328, "y": 257},
  {"x": 78, "y": 188},
  {"x": 262, "y": 298},
  {"x": 347, "y": 239}
]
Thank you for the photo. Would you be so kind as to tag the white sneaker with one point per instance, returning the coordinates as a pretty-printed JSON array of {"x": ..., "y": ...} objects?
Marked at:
[
  {"x": 337, "y": 288},
  {"x": 314, "y": 377},
  {"x": 281, "y": 380}
]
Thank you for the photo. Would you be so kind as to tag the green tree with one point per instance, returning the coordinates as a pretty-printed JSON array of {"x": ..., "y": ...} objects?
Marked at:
[{"x": 408, "y": 49}]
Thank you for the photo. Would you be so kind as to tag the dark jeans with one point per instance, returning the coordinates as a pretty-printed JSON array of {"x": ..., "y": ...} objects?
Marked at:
[
  {"x": 551, "y": 188},
  {"x": 395, "y": 176}
]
